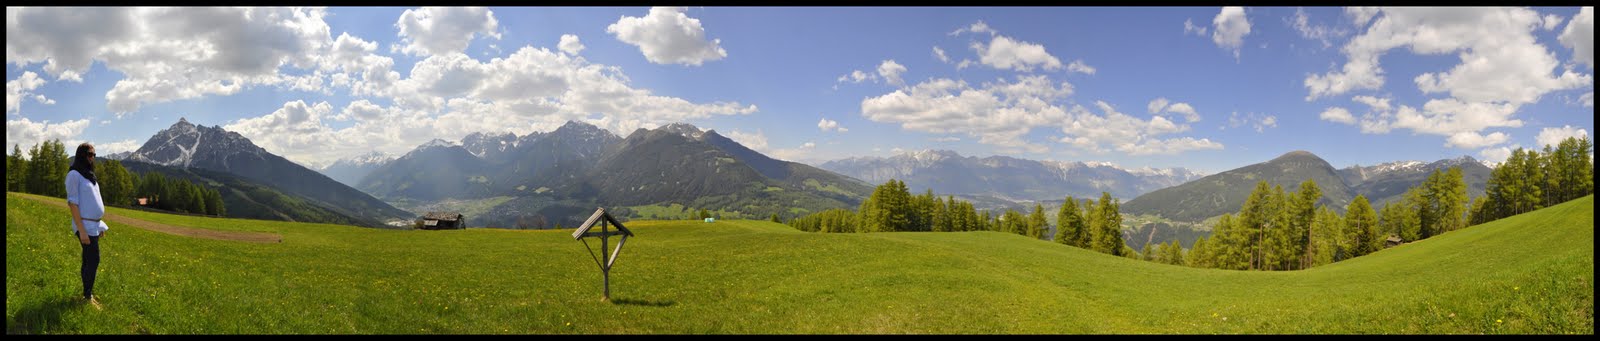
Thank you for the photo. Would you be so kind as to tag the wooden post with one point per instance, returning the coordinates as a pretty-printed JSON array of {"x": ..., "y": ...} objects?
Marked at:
[{"x": 605, "y": 268}]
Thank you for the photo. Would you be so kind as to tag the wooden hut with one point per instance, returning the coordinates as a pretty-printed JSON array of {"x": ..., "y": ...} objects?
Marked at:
[
  {"x": 1393, "y": 241},
  {"x": 443, "y": 221}
]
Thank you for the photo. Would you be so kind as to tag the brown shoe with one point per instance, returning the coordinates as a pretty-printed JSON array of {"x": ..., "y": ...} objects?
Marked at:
[{"x": 94, "y": 301}]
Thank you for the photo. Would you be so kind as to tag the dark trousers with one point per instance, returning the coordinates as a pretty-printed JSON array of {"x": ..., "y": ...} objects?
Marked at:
[{"x": 91, "y": 264}]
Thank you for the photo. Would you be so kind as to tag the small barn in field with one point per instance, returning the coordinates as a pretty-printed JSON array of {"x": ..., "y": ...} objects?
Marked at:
[
  {"x": 1393, "y": 241},
  {"x": 443, "y": 221}
]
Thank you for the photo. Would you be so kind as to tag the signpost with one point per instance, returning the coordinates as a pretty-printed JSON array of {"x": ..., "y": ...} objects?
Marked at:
[{"x": 604, "y": 219}]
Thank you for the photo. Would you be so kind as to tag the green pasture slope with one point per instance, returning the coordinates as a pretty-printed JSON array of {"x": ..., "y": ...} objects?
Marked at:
[{"x": 1532, "y": 273}]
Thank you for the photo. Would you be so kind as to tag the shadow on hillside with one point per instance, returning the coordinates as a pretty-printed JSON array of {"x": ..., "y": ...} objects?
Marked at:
[
  {"x": 646, "y": 303},
  {"x": 36, "y": 319}
]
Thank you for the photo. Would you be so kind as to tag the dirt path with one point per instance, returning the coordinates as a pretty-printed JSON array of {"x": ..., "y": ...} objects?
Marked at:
[{"x": 253, "y": 237}]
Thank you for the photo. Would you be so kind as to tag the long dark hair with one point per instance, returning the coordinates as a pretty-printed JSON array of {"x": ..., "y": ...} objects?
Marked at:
[{"x": 81, "y": 163}]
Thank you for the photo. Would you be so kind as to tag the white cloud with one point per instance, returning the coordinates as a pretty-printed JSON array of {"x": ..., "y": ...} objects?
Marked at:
[
  {"x": 1551, "y": 21},
  {"x": 1339, "y": 115},
  {"x": 19, "y": 89},
  {"x": 946, "y": 139},
  {"x": 939, "y": 53},
  {"x": 963, "y": 64},
  {"x": 116, "y": 147},
  {"x": 890, "y": 71},
  {"x": 1161, "y": 105},
  {"x": 1580, "y": 36},
  {"x": 668, "y": 36},
  {"x": 1587, "y": 99},
  {"x": 1360, "y": 16},
  {"x": 977, "y": 27},
  {"x": 1450, "y": 116},
  {"x": 1190, "y": 27},
  {"x": 1469, "y": 140},
  {"x": 26, "y": 133},
  {"x": 1302, "y": 23},
  {"x": 827, "y": 124},
  {"x": 1123, "y": 133},
  {"x": 1231, "y": 27},
  {"x": 1495, "y": 156},
  {"x": 755, "y": 141},
  {"x": 1006, "y": 54},
  {"x": 570, "y": 44},
  {"x": 1552, "y": 136},
  {"x": 1378, "y": 104},
  {"x": 1501, "y": 59},
  {"x": 996, "y": 113},
  {"x": 43, "y": 100},
  {"x": 1259, "y": 121},
  {"x": 1079, "y": 67},
  {"x": 440, "y": 30},
  {"x": 169, "y": 54}
]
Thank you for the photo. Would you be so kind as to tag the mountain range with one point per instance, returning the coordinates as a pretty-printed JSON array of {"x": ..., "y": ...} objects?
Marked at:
[
  {"x": 1225, "y": 192},
  {"x": 349, "y": 171},
  {"x": 555, "y": 176},
  {"x": 185, "y": 145},
  {"x": 947, "y": 172}
]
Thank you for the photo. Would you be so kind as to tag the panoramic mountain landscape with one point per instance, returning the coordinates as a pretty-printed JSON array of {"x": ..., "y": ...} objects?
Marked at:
[{"x": 762, "y": 170}]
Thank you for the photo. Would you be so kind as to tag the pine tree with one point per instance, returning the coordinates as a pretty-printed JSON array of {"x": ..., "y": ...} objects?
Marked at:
[
  {"x": 1362, "y": 222},
  {"x": 1199, "y": 254},
  {"x": 1303, "y": 213},
  {"x": 1037, "y": 224},
  {"x": 16, "y": 170},
  {"x": 1069, "y": 223},
  {"x": 1147, "y": 253},
  {"x": 1109, "y": 238}
]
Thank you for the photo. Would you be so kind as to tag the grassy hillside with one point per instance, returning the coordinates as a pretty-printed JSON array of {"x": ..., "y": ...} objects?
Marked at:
[{"x": 1532, "y": 273}]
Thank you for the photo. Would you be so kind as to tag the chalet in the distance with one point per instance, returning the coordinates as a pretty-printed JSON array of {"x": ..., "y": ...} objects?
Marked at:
[{"x": 443, "y": 221}]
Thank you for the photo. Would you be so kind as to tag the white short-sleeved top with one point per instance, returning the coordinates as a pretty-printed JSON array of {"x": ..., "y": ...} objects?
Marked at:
[{"x": 86, "y": 195}]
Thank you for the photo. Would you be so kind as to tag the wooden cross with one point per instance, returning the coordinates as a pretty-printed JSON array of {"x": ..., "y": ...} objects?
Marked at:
[{"x": 605, "y": 219}]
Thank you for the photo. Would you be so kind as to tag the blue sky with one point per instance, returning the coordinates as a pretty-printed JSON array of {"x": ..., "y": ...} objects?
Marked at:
[{"x": 1200, "y": 87}]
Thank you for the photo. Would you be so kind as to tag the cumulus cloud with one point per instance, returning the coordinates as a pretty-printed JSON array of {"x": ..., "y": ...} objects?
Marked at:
[
  {"x": 1259, "y": 121},
  {"x": 1552, "y": 136},
  {"x": 1325, "y": 34},
  {"x": 997, "y": 113},
  {"x": 1230, "y": 28},
  {"x": 1006, "y": 54},
  {"x": 890, "y": 71},
  {"x": 1495, "y": 156},
  {"x": 18, "y": 89},
  {"x": 1551, "y": 21},
  {"x": 668, "y": 36},
  {"x": 1339, "y": 115},
  {"x": 827, "y": 124},
  {"x": 977, "y": 27},
  {"x": 939, "y": 53},
  {"x": 169, "y": 54},
  {"x": 1471, "y": 140},
  {"x": 1501, "y": 59},
  {"x": 1113, "y": 130},
  {"x": 439, "y": 30},
  {"x": 129, "y": 145},
  {"x": 1079, "y": 67},
  {"x": 755, "y": 141},
  {"x": 1190, "y": 27},
  {"x": 26, "y": 133},
  {"x": 570, "y": 45},
  {"x": 1579, "y": 36},
  {"x": 1161, "y": 105}
]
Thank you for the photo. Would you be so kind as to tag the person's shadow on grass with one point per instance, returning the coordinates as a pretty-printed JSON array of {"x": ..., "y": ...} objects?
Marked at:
[{"x": 41, "y": 318}]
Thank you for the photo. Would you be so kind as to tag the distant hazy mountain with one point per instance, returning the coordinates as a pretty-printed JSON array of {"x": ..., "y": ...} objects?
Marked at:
[
  {"x": 349, "y": 171},
  {"x": 212, "y": 148},
  {"x": 1006, "y": 177},
  {"x": 246, "y": 198},
  {"x": 1225, "y": 192},
  {"x": 1388, "y": 181},
  {"x": 434, "y": 170},
  {"x": 562, "y": 175}
]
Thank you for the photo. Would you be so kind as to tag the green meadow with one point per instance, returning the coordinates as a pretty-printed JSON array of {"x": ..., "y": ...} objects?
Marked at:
[{"x": 1532, "y": 273}]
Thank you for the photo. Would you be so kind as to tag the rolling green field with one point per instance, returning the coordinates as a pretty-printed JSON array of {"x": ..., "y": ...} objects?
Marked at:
[{"x": 1532, "y": 273}]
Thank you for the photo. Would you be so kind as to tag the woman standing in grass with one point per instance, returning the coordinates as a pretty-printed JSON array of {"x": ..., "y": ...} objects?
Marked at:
[{"x": 83, "y": 199}]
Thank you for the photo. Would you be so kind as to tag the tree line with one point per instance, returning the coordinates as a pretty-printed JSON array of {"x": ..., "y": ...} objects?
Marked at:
[
  {"x": 44, "y": 172},
  {"x": 1529, "y": 180},
  {"x": 891, "y": 208}
]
